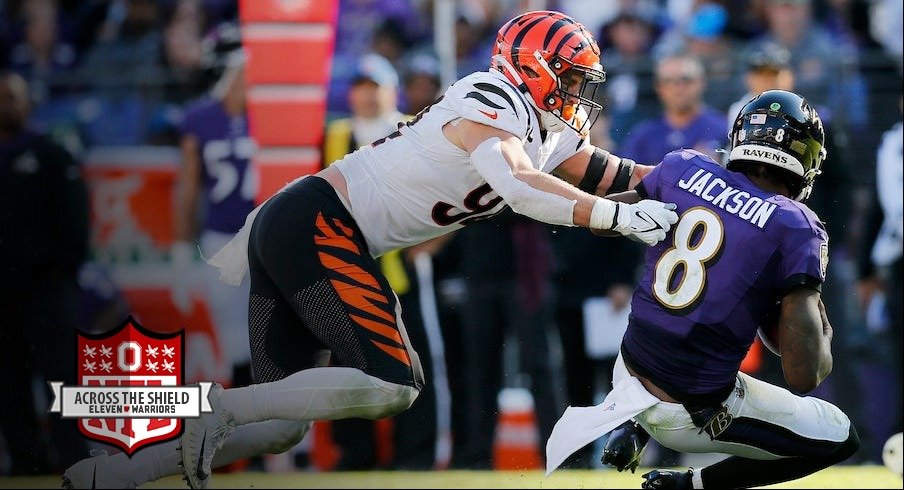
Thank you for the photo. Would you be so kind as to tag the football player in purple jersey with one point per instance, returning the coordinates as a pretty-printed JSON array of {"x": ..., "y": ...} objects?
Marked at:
[{"x": 746, "y": 256}]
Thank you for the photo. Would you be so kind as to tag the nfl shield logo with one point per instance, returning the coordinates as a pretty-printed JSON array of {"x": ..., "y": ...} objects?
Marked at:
[{"x": 130, "y": 355}]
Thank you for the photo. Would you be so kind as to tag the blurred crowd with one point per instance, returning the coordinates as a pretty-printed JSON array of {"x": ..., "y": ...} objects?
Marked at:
[
  {"x": 110, "y": 72},
  {"x": 511, "y": 298}
]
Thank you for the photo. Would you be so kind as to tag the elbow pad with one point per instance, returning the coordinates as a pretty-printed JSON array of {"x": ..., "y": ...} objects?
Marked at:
[{"x": 543, "y": 206}]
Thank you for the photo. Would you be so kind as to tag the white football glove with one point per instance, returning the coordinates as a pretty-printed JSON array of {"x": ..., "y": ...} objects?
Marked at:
[{"x": 647, "y": 221}]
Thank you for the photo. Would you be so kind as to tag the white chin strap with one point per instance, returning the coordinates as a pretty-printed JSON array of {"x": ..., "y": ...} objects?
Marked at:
[
  {"x": 551, "y": 123},
  {"x": 548, "y": 120}
]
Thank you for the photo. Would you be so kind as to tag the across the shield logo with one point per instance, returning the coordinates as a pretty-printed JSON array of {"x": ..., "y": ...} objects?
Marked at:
[{"x": 130, "y": 355}]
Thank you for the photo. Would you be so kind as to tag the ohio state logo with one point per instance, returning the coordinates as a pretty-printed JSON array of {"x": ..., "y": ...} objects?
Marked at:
[{"x": 130, "y": 391}]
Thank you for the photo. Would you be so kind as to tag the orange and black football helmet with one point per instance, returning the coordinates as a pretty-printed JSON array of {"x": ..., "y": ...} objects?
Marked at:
[{"x": 556, "y": 61}]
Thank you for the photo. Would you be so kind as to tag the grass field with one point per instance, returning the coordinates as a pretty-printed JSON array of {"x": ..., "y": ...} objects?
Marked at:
[{"x": 838, "y": 477}]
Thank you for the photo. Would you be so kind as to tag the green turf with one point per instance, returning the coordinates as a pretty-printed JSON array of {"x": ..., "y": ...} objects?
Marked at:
[{"x": 839, "y": 477}]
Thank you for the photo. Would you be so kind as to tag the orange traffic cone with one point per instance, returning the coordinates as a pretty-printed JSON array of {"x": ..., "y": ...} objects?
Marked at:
[{"x": 517, "y": 440}]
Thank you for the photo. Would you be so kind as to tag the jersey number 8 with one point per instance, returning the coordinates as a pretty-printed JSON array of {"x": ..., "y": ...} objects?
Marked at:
[{"x": 698, "y": 241}]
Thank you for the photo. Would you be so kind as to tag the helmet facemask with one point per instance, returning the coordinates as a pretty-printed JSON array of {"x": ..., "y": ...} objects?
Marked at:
[
  {"x": 572, "y": 103},
  {"x": 809, "y": 177}
]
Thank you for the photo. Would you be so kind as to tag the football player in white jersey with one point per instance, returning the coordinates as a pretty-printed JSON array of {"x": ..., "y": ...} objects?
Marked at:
[{"x": 513, "y": 136}]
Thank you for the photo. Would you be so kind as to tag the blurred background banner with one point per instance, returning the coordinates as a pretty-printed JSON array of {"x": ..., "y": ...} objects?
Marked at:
[{"x": 290, "y": 52}]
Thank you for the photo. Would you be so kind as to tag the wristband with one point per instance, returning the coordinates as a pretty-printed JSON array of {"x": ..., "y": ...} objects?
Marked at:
[{"x": 602, "y": 216}]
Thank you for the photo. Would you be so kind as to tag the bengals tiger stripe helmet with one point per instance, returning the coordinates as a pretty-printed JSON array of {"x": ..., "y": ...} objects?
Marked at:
[{"x": 555, "y": 60}]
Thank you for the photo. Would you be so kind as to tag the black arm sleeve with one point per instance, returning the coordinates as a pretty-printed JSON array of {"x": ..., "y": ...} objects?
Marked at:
[
  {"x": 801, "y": 281},
  {"x": 595, "y": 170},
  {"x": 623, "y": 177}
]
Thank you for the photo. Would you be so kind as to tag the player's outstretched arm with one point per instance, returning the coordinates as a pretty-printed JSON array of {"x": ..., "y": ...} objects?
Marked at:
[
  {"x": 599, "y": 172},
  {"x": 500, "y": 159},
  {"x": 806, "y": 340}
]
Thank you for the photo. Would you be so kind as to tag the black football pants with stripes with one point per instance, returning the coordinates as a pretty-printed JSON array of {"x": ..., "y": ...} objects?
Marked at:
[{"x": 315, "y": 286}]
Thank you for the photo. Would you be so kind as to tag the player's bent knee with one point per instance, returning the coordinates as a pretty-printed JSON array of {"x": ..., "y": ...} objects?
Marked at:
[
  {"x": 399, "y": 400},
  {"x": 390, "y": 399},
  {"x": 847, "y": 448},
  {"x": 408, "y": 395},
  {"x": 841, "y": 451}
]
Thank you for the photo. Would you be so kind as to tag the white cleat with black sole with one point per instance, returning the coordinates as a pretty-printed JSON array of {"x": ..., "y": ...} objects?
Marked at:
[{"x": 202, "y": 438}]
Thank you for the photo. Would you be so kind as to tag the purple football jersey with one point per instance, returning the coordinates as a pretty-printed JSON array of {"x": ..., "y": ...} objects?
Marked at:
[
  {"x": 706, "y": 288},
  {"x": 226, "y": 150}
]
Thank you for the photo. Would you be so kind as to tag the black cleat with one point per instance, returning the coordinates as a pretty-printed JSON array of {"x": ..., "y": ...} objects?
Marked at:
[
  {"x": 625, "y": 446},
  {"x": 668, "y": 480}
]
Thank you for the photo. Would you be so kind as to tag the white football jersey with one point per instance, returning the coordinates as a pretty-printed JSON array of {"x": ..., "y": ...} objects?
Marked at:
[{"x": 415, "y": 185}]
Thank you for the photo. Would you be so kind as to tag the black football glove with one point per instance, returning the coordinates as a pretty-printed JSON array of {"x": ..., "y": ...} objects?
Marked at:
[{"x": 625, "y": 446}]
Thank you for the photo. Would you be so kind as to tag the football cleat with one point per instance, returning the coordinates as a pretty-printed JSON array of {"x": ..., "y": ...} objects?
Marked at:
[
  {"x": 668, "y": 480},
  {"x": 96, "y": 472},
  {"x": 202, "y": 438},
  {"x": 625, "y": 446}
]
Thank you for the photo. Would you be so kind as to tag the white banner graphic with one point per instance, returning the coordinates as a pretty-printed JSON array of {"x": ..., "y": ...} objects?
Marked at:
[{"x": 130, "y": 401}]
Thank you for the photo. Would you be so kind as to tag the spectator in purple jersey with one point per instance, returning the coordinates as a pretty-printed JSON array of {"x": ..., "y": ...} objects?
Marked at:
[
  {"x": 217, "y": 177},
  {"x": 686, "y": 122},
  {"x": 746, "y": 257}
]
